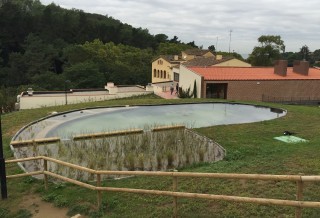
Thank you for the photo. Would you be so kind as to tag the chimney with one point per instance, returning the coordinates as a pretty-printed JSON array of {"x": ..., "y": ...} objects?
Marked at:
[
  {"x": 218, "y": 57},
  {"x": 280, "y": 67},
  {"x": 175, "y": 57},
  {"x": 301, "y": 67}
]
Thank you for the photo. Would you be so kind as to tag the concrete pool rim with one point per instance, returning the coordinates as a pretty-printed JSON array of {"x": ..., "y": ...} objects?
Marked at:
[{"x": 136, "y": 105}]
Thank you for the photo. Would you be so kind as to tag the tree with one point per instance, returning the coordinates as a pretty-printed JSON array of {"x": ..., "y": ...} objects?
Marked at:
[
  {"x": 212, "y": 48},
  {"x": 192, "y": 44},
  {"x": 195, "y": 91},
  {"x": 7, "y": 99},
  {"x": 85, "y": 75},
  {"x": 316, "y": 57},
  {"x": 269, "y": 50},
  {"x": 290, "y": 56},
  {"x": 175, "y": 40},
  {"x": 304, "y": 53},
  {"x": 141, "y": 38},
  {"x": 39, "y": 56},
  {"x": 169, "y": 48},
  {"x": 161, "y": 38},
  {"x": 17, "y": 73},
  {"x": 53, "y": 81},
  {"x": 13, "y": 23},
  {"x": 227, "y": 54}
]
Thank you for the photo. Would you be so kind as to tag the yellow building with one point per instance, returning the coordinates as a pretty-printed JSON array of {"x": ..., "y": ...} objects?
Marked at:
[
  {"x": 162, "y": 67},
  {"x": 166, "y": 67},
  {"x": 217, "y": 61}
]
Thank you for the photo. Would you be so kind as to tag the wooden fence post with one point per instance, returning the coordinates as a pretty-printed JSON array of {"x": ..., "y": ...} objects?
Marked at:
[
  {"x": 175, "y": 199},
  {"x": 99, "y": 193},
  {"x": 45, "y": 168},
  {"x": 299, "y": 198}
]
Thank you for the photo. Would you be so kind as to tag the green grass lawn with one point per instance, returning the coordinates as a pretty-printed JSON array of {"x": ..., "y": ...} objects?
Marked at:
[{"x": 250, "y": 149}]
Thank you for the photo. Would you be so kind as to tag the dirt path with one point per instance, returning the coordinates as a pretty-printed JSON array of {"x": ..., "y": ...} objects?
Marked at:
[{"x": 41, "y": 209}]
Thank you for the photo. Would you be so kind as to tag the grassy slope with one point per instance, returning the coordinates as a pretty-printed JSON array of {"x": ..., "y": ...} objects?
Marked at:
[{"x": 251, "y": 149}]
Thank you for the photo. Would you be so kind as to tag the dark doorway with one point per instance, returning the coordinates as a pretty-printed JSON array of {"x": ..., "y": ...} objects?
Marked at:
[{"x": 217, "y": 90}]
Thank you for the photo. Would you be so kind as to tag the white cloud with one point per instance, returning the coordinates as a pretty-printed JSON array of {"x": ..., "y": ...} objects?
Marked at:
[{"x": 202, "y": 21}]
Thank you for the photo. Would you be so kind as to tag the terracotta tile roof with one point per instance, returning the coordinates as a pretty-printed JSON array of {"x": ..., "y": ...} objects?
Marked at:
[
  {"x": 196, "y": 51},
  {"x": 206, "y": 61},
  {"x": 251, "y": 73}
]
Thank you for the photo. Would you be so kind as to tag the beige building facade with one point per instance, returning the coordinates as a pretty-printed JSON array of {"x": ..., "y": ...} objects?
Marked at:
[
  {"x": 166, "y": 68},
  {"x": 233, "y": 63},
  {"x": 187, "y": 79}
]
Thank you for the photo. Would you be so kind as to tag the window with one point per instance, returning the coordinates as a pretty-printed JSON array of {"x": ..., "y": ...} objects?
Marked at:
[
  {"x": 165, "y": 74},
  {"x": 158, "y": 74},
  {"x": 176, "y": 77},
  {"x": 161, "y": 74},
  {"x": 154, "y": 73}
]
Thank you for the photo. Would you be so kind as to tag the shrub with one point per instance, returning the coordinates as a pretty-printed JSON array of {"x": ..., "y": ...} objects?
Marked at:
[{"x": 185, "y": 93}]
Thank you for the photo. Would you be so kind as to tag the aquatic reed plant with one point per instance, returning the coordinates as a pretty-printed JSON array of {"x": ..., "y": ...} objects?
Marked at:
[
  {"x": 141, "y": 160},
  {"x": 159, "y": 162},
  {"x": 170, "y": 159},
  {"x": 130, "y": 161},
  {"x": 149, "y": 150},
  {"x": 201, "y": 154}
]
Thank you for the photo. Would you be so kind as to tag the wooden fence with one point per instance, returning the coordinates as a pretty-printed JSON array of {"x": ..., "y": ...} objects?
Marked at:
[{"x": 299, "y": 179}]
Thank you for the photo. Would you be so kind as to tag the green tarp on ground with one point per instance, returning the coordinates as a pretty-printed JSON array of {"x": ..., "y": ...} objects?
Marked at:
[{"x": 290, "y": 139}]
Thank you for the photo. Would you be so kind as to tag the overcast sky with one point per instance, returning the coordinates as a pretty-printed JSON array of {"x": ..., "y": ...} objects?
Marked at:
[{"x": 208, "y": 22}]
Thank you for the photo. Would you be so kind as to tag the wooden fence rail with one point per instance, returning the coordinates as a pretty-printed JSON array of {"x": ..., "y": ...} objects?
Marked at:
[{"x": 299, "y": 179}]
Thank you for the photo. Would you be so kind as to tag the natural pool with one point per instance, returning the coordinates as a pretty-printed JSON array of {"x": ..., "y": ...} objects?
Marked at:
[
  {"x": 148, "y": 150},
  {"x": 190, "y": 115}
]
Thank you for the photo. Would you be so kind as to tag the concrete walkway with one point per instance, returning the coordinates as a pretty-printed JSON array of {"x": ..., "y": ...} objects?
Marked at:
[{"x": 167, "y": 95}]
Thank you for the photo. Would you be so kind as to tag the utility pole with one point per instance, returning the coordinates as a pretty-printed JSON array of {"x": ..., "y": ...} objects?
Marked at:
[
  {"x": 230, "y": 40},
  {"x": 2, "y": 166},
  {"x": 217, "y": 43}
]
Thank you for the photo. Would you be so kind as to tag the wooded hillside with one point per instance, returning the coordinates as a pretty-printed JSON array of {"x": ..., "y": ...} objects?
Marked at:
[{"x": 43, "y": 46}]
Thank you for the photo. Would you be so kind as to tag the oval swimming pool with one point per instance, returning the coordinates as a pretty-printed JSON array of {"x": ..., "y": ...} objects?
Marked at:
[{"x": 190, "y": 115}]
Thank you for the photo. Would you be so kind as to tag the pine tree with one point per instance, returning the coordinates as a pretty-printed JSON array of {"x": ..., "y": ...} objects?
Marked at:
[{"x": 195, "y": 93}]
